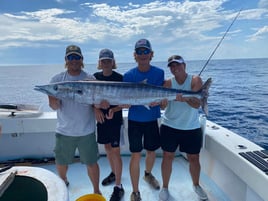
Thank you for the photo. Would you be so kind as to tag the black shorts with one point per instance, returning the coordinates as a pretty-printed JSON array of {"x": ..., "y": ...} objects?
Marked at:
[
  {"x": 109, "y": 133},
  {"x": 189, "y": 141},
  {"x": 143, "y": 135}
]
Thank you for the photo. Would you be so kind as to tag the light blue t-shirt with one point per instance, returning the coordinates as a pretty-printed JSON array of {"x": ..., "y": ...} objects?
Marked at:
[
  {"x": 180, "y": 115},
  {"x": 74, "y": 119},
  {"x": 154, "y": 76}
]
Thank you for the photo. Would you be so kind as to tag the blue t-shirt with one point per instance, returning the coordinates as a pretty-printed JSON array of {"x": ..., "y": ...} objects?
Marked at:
[{"x": 154, "y": 76}]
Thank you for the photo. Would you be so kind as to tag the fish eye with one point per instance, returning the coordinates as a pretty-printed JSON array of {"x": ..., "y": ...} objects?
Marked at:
[
  {"x": 80, "y": 91},
  {"x": 55, "y": 87}
]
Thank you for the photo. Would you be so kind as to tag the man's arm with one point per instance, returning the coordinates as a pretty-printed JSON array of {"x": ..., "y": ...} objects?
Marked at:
[{"x": 54, "y": 103}]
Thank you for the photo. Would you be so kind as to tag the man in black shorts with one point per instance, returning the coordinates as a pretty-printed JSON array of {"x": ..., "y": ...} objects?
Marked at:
[
  {"x": 143, "y": 130},
  {"x": 180, "y": 126},
  {"x": 109, "y": 122}
]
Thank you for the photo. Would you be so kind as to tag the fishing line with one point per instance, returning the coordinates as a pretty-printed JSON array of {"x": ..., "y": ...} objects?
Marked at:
[{"x": 220, "y": 42}]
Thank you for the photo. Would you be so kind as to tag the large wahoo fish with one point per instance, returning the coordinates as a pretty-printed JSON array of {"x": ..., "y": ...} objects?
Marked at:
[{"x": 119, "y": 93}]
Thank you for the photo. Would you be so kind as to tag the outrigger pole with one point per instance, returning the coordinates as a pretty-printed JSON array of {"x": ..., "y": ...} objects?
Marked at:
[{"x": 220, "y": 42}]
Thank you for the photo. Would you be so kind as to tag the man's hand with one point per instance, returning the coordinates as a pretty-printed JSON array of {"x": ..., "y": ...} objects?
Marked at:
[
  {"x": 180, "y": 98},
  {"x": 153, "y": 104},
  {"x": 110, "y": 114},
  {"x": 54, "y": 103},
  {"x": 99, "y": 115},
  {"x": 192, "y": 101},
  {"x": 124, "y": 106},
  {"x": 163, "y": 103},
  {"x": 104, "y": 104}
]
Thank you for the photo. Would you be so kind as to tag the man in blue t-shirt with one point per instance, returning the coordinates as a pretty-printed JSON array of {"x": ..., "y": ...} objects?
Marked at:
[{"x": 143, "y": 130}]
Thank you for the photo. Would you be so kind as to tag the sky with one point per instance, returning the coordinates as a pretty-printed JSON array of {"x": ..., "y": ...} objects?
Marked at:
[{"x": 38, "y": 31}]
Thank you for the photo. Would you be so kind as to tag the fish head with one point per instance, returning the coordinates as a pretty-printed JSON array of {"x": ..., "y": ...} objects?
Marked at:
[{"x": 61, "y": 90}]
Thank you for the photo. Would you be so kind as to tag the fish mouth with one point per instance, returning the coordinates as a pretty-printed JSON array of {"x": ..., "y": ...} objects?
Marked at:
[{"x": 40, "y": 89}]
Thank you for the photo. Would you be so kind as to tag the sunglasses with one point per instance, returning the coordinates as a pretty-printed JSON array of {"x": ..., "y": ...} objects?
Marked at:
[
  {"x": 140, "y": 52},
  {"x": 73, "y": 57}
]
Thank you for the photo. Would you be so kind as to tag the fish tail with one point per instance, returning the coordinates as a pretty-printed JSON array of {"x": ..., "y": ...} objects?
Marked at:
[{"x": 204, "y": 95}]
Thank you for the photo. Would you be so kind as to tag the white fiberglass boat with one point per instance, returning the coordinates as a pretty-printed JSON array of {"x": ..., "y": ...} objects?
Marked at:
[{"x": 233, "y": 168}]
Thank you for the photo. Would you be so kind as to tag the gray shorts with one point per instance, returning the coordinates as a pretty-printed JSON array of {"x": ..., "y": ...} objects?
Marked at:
[{"x": 66, "y": 146}]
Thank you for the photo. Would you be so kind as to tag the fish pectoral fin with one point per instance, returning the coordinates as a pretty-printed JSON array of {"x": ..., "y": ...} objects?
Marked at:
[
  {"x": 147, "y": 107},
  {"x": 144, "y": 81}
]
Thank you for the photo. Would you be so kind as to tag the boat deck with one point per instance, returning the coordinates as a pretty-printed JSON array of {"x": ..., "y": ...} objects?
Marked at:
[{"x": 180, "y": 184}]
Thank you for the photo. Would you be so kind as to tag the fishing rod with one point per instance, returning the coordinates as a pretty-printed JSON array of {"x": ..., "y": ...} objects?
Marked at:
[{"x": 211, "y": 55}]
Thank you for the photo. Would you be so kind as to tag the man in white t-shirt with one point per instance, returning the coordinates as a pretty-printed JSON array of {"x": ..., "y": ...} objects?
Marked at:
[{"x": 76, "y": 123}]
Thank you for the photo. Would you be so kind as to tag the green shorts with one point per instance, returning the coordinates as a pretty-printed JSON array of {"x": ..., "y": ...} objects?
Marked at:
[{"x": 66, "y": 146}]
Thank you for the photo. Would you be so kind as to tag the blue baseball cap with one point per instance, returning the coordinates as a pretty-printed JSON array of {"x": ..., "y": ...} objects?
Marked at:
[
  {"x": 106, "y": 54},
  {"x": 143, "y": 43}
]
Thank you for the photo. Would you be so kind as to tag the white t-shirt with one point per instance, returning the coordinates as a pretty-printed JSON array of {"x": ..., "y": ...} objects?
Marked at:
[{"x": 74, "y": 119}]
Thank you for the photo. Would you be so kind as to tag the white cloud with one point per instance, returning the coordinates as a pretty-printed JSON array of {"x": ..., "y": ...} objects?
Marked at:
[
  {"x": 259, "y": 34},
  {"x": 34, "y": 26},
  {"x": 263, "y": 4},
  {"x": 178, "y": 19},
  {"x": 253, "y": 14},
  {"x": 174, "y": 18},
  {"x": 165, "y": 23}
]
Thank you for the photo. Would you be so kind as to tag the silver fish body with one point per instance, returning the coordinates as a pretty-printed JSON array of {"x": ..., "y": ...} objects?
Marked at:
[{"x": 118, "y": 93}]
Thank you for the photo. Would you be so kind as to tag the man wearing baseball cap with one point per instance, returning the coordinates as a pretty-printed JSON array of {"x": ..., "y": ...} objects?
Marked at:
[
  {"x": 73, "y": 49},
  {"x": 143, "y": 130},
  {"x": 180, "y": 127},
  {"x": 75, "y": 123},
  {"x": 109, "y": 124}
]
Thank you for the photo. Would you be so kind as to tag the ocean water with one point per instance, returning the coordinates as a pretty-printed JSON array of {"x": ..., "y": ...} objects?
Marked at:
[{"x": 238, "y": 97}]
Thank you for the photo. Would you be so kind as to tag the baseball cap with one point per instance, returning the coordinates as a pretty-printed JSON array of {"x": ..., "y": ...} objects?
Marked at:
[
  {"x": 143, "y": 43},
  {"x": 106, "y": 54},
  {"x": 175, "y": 58},
  {"x": 73, "y": 49}
]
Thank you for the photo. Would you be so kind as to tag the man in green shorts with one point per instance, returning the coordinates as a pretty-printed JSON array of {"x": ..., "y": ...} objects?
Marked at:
[{"x": 76, "y": 123}]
